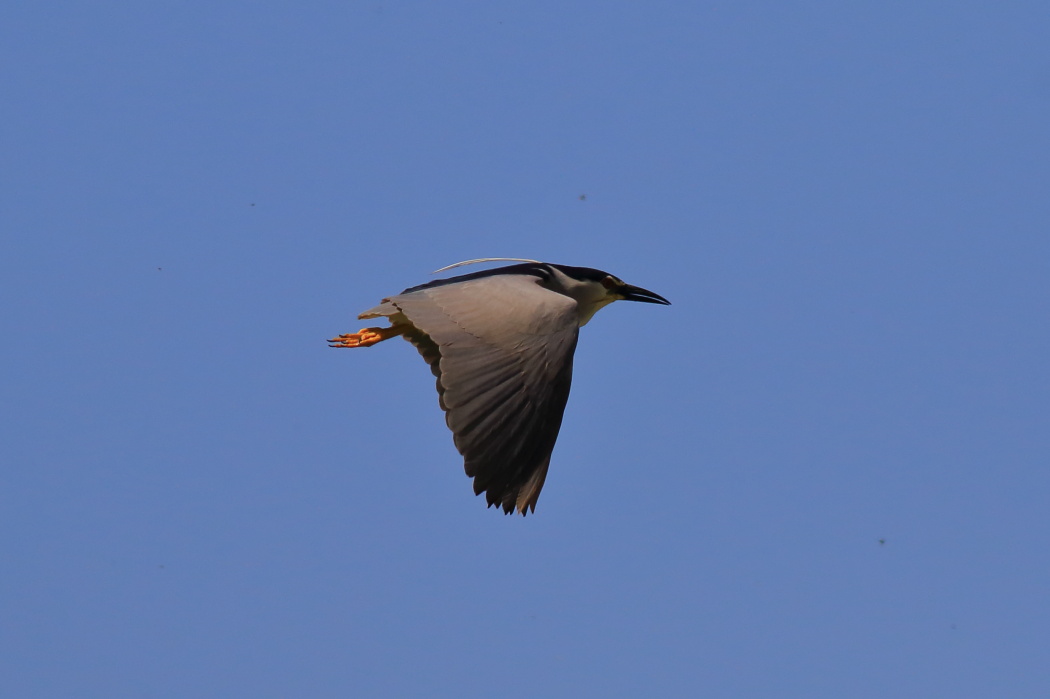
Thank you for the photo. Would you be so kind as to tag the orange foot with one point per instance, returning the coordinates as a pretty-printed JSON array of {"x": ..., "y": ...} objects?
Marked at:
[{"x": 365, "y": 337}]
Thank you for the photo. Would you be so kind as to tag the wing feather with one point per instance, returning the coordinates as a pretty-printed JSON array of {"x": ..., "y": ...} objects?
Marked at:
[{"x": 501, "y": 348}]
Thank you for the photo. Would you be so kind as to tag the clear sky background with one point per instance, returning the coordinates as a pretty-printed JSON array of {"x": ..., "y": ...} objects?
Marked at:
[{"x": 823, "y": 472}]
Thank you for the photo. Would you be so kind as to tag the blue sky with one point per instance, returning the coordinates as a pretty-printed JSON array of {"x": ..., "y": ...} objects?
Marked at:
[{"x": 822, "y": 472}]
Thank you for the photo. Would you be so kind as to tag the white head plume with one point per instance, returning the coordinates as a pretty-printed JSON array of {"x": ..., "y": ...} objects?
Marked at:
[{"x": 483, "y": 259}]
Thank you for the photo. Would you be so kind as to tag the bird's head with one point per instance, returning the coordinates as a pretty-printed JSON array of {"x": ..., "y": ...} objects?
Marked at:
[{"x": 594, "y": 289}]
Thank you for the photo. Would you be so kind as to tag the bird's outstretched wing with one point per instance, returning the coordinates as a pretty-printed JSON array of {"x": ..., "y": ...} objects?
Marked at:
[{"x": 501, "y": 348}]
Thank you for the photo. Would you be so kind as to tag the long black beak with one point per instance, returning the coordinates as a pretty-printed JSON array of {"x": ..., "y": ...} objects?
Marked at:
[{"x": 637, "y": 293}]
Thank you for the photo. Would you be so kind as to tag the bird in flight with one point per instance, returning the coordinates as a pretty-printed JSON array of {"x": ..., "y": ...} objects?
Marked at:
[{"x": 501, "y": 343}]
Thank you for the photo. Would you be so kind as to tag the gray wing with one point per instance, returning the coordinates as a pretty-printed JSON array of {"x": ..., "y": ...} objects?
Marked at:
[{"x": 501, "y": 348}]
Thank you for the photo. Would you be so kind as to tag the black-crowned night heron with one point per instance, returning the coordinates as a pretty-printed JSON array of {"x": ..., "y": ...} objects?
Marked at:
[{"x": 500, "y": 343}]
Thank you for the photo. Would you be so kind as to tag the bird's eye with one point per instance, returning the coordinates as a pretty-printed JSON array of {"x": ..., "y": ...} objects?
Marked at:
[{"x": 610, "y": 283}]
